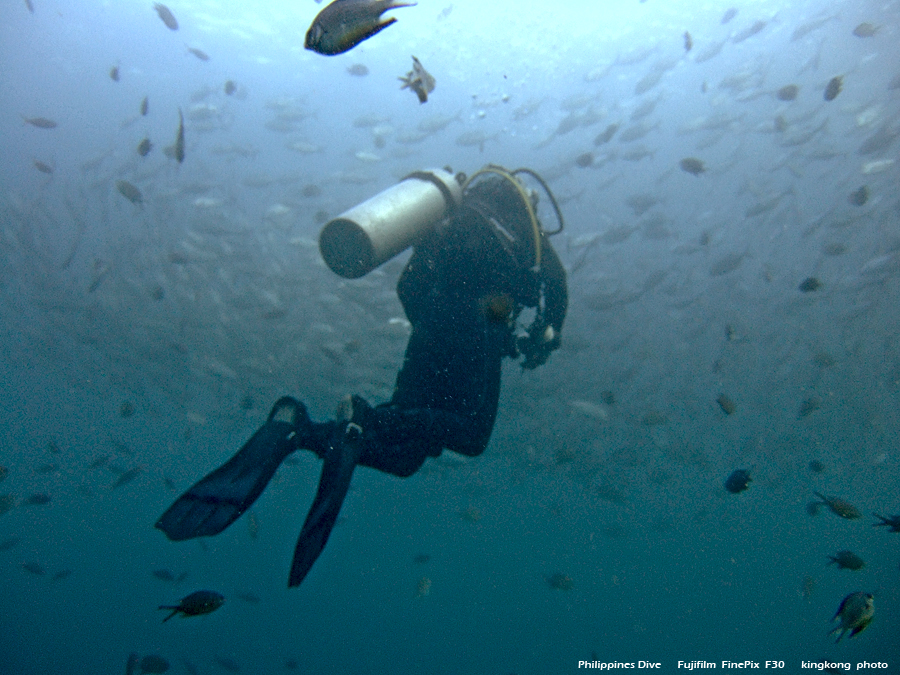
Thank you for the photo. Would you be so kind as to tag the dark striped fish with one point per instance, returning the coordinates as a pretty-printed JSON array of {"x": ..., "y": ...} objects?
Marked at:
[{"x": 345, "y": 23}]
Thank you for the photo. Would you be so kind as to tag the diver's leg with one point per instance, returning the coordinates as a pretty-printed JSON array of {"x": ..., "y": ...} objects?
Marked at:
[
  {"x": 221, "y": 497},
  {"x": 394, "y": 441},
  {"x": 447, "y": 393},
  {"x": 386, "y": 438},
  {"x": 398, "y": 441},
  {"x": 466, "y": 434},
  {"x": 344, "y": 448}
]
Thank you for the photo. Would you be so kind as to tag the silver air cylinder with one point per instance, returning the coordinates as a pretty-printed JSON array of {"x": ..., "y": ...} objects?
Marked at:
[{"x": 359, "y": 240}]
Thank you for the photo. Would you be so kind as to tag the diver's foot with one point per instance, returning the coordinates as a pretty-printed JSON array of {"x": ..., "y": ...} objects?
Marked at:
[
  {"x": 356, "y": 413},
  {"x": 291, "y": 411},
  {"x": 344, "y": 411}
]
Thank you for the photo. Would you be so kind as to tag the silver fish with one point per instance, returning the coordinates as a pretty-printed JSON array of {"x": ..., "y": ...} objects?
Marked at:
[
  {"x": 166, "y": 15},
  {"x": 129, "y": 191},
  {"x": 199, "y": 53},
  {"x": 40, "y": 122},
  {"x": 179, "y": 139}
]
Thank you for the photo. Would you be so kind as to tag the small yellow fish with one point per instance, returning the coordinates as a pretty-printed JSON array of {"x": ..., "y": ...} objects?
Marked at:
[
  {"x": 423, "y": 587},
  {"x": 807, "y": 588},
  {"x": 345, "y": 23}
]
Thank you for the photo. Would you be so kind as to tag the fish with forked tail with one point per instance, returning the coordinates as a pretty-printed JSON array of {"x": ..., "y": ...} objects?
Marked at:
[
  {"x": 891, "y": 522},
  {"x": 839, "y": 507},
  {"x": 854, "y": 615},
  {"x": 345, "y": 23},
  {"x": 195, "y": 604}
]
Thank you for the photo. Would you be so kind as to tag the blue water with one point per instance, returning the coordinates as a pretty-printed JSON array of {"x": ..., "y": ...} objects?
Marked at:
[{"x": 207, "y": 301}]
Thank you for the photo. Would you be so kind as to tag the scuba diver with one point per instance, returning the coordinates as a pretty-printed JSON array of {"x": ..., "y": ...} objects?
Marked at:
[{"x": 480, "y": 257}]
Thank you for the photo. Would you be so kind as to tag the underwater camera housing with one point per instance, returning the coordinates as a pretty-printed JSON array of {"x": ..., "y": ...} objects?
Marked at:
[{"x": 371, "y": 233}]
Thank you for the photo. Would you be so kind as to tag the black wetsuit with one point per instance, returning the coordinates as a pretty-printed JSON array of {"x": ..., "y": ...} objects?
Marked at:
[
  {"x": 447, "y": 391},
  {"x": 462, "y": 290}
]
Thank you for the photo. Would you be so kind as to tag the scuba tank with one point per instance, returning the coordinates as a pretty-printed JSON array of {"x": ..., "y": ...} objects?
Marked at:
[{"x": 371, "y": 233}]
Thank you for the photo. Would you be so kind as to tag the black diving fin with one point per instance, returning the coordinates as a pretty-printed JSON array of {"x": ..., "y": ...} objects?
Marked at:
[
  {"x": 220, "y": 498},
  {"x": 344, "y": 451}
]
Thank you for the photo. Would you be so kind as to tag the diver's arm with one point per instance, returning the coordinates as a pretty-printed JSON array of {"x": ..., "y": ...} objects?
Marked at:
[
  {"x": 556, "y": 292},
  {"x": 544, "y": 332}
]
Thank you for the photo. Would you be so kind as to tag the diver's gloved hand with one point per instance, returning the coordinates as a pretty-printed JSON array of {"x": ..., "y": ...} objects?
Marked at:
[{"x": 537, "y": 346}]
